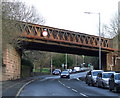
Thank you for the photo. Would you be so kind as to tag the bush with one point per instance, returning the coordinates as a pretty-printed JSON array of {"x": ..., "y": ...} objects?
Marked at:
[{"x": 26, "y": 62}]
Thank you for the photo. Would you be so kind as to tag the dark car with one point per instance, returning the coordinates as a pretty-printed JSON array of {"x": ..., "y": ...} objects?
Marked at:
[
  {"x": 65, "y": 74},
  {"x": 90, "y": 78},
  {"x": 56, "y": 72},
  {"x": 114, "y": 82},
  {"x": 102, "y": 79}
]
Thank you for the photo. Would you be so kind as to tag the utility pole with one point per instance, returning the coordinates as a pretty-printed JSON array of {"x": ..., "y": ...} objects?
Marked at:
[
  {"x": 66, "y": 61},
  {"x": 51, "y": 63},
  {"x": 76, "y": 60},
  {"x": 100, "y": 66}
]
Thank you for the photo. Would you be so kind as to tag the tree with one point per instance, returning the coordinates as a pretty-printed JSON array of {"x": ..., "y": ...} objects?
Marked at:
[
  {"x": 16, "y": 11},
  {"x": 12, "y": 14},
  {"x": 111, "y": 30},
  {"x": 20, "y": 12},
  {"x": 39, "y": 58},
  {"x": 59, "y": 59}
]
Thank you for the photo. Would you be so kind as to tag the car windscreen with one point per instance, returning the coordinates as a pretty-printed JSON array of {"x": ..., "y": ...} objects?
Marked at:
[
  {"x": 117, "y": 77},
  {"x": 57, "y": 70},
  {"x": 106, "y": 75},
  {"x": 95, "y": 73},
  {"x": 65, "y": 72}
]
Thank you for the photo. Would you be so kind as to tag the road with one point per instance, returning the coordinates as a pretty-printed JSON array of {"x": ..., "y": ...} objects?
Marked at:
[{"x": 55, "y": 86}]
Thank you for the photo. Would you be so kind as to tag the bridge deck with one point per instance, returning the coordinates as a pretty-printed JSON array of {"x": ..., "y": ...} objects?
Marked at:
[{"x": 55, "y": 36}]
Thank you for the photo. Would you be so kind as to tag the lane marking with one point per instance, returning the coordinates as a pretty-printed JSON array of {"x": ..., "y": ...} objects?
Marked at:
[
  {"x": 20, "y": 90},
  {"x": 18, "y": 93},
  {"x": 74, "y": 90},
  {"x": 78, "y": 79},
  {"x": 83, "y": 95},
  {"x": 60, "y": 82},
  {"x": 67, "y": 86}
]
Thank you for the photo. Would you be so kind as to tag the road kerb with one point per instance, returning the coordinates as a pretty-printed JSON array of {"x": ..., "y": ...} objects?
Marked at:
[{"x": 18, "y": 93}]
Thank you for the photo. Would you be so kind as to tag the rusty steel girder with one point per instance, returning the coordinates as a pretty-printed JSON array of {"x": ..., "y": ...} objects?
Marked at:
[{"x": 60, "y": 35}]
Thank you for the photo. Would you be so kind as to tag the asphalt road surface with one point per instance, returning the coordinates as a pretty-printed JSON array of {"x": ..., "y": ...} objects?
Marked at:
[{"x": 55, "y": 86}]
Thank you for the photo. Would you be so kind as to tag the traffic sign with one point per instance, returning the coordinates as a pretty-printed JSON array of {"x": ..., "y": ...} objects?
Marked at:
[{"x": 45, "y": 33}]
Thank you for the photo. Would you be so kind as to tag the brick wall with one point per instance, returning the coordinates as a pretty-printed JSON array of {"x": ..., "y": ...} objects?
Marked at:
[
  {"x": 12, "y": 61},
  {"x": 113, "y": 61}
]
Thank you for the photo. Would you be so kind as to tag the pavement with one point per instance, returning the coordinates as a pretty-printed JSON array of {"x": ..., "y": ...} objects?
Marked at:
[{"x": 10, "y": 88}]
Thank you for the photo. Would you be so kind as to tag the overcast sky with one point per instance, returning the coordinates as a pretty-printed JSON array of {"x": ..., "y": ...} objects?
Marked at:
[{"x": 69, "y": 14}]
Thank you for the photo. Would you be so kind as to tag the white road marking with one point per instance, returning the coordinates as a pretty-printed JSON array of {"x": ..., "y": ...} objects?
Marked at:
[
  {"x": 83, "y": 94},
  {"x": 67, "y": 86},
  {"x": 63, "y": 84},
  {"x": 18, "y": 93},
  {"x": 60, "y": 82},
  {"x": 74, "y": 90},
  {"x": 78, "y": 79}
]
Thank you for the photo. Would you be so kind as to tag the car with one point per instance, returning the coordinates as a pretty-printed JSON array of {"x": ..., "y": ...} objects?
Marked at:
[
  {"x": 70, "y": 70},
  {"x": 66, "y": 70},
  {"x": 65, "y": 74},
  {"x": 56, "y": 72},
  {"x": 90, "y": 78},
  {"x": 102, "y": 79},
  {"x": 114, "y": 82},
  {"x": 73, "y": 71}
]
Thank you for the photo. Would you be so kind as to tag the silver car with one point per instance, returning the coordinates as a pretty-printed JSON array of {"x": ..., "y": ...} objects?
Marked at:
[
  {"x": 91, "y": 77},
  {"x": 102, "y": 79}
]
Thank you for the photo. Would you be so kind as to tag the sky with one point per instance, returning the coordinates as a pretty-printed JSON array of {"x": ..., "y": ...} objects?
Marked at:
[{"x": 69, "y": 14}]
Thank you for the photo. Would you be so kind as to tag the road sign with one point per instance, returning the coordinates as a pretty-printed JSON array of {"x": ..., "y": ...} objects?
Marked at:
[
  {"x": 45, "y": 33},
  {"x": 89, "y": 65}
]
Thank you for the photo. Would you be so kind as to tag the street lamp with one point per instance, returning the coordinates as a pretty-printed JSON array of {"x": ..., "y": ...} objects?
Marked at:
[
  {"x": 51, "y": 63},
  {"x": 66, "y": 60},
  {"x": 83, "y": 59},
  {"x": 100, "y": 67}
]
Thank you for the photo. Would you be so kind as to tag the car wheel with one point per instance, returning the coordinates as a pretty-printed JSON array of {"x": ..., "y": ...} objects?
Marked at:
[
  {"x": 115, "y": 89},
  {"x": 97, "y": 84},
  {"x": 110, "y": 89},
  {"x": 93, "y": 84},
  {"x": 103, "y": 86},
  {"x": 89, "y": 84}
]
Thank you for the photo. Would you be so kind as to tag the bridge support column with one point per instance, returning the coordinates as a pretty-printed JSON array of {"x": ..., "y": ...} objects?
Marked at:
[
  {"x": 11, "y": 63},
  {"x": 113, "y": 61},
  {"x": 103, "y": 61}
]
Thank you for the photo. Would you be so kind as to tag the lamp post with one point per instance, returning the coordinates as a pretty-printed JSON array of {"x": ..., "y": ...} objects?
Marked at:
[
  {"x": 83, "y": 59},
  {"x": 100, "y": 67},
  {"x": 51, "y": 63},
  {"x": 66, "y": 61}
]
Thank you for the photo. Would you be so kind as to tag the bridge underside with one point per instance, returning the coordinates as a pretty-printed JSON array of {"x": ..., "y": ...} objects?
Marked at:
[{"x": 50, "y": 46}]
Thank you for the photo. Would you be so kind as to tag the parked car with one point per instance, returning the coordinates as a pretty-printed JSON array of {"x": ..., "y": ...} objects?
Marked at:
[
  {"x": 77, "y": 69},
  {"x": 65, "y": 74},
  {"x": 102, "y": 79},
  {"x": 114, "y": 82},
  {"x": 90, "y": 78},
  {"x": 70, "y": 70},
  {"x": 73, "y": 71},
  {"x": 56, "y": 72}
]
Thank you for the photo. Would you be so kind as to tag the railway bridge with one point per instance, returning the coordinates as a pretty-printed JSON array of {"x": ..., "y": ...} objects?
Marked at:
[{"x": 45, "y": 38}]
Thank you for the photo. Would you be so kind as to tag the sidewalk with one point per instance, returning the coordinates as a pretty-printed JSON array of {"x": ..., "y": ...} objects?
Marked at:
[{"x": 10, "y": 88}]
